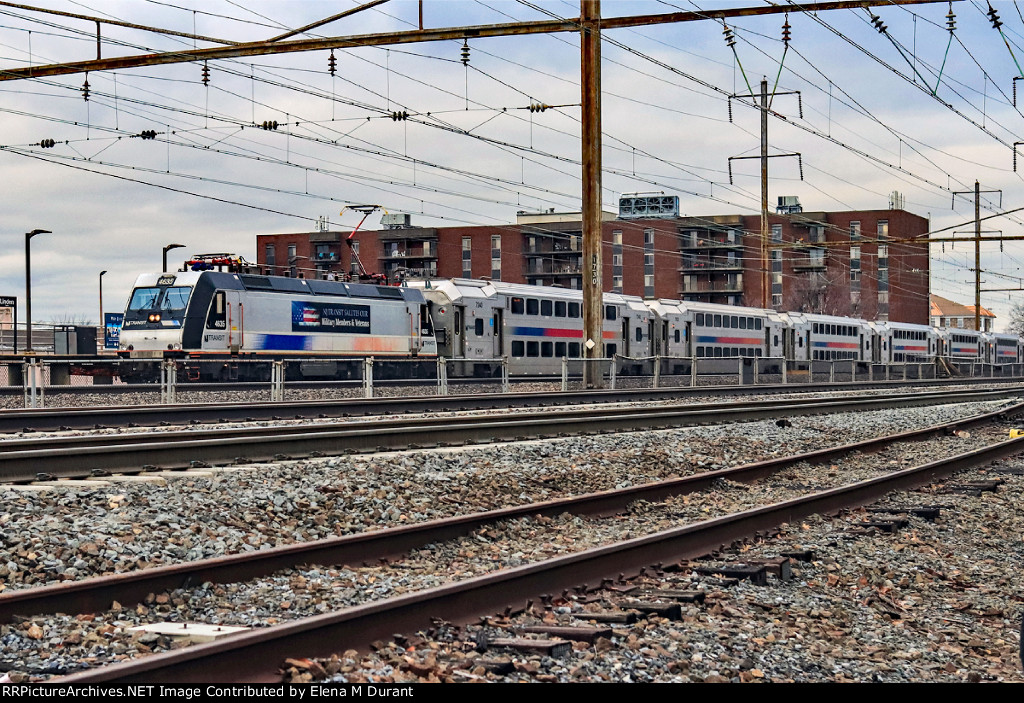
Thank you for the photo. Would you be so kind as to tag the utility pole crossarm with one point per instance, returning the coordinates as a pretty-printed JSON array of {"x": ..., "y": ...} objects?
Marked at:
[{"x": 549, "y": 26}]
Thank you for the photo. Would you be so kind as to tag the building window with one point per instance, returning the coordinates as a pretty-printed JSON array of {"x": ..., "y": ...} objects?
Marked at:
[
  {"x": 649, "y": 263},
  {"x": 496, "y": 257},
  {"x": 855, "y": 231},
  {"x": 883, "y": 230},
  {"x": 617, "y": 237},
  {"x": 467, "y": 257},
  {"x": 616, "y": 284},
  {"x": 270, "y": 255},
  {"x": 354, "y": 264},
  {"x": 776, "y": 233}
]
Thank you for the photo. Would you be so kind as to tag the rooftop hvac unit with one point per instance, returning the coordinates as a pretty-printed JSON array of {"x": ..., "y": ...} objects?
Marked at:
[
  {"x": 789, "y": 204},
  {"x": 633, "y": 207},
  {"x": 396, "y": 220}
]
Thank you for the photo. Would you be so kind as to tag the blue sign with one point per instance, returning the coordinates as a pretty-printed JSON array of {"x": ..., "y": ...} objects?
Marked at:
[
  {"x": 330, "y": 317},
  {"x": 112, "y": 329}
]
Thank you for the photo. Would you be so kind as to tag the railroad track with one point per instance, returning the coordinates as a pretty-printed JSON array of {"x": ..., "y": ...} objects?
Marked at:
[
  {"x": 154, "y": 415},
  {"x": 25, "y": 460},
  {"x": 254, "y": 656}
]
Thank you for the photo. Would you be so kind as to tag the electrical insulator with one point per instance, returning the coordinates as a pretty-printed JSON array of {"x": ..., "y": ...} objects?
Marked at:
[
  {"x": 85, "y": 90},
  {"x": 332, "y": 63},
  {"x": 730, "y": 109},
  {"x": 399, "y": 116},
  {"x": 47, "y": 143},
  {"x": 994, "y": 17},
  {"x": 786, "y": 36},
  {"x": 206, "y": 74},
  {"x": 465, "y": 52},
  {"x": 879, "y": 25},
  {"x": 951, "y": 19},
  {"x": 538, "y": 107},
  {"x": 730, "y": 40},
  {"x": 269, "y": 125},
  {"x": 148, "y": 134},
  {"x": 1015, "y": 159}
]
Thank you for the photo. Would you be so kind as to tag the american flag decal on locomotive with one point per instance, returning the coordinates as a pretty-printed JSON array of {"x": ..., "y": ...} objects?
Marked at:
[{"x": 304, "y": 315}]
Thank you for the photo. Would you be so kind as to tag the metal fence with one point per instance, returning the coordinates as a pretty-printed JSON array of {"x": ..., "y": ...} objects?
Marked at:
[{"x": 183, "y": 381}]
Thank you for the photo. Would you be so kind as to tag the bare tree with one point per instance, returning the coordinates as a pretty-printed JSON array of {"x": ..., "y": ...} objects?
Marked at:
[
  {"x": 68, "y": 318},
  {"x": 817, "y": 293},
  {"x": 1016, "y": 324}
]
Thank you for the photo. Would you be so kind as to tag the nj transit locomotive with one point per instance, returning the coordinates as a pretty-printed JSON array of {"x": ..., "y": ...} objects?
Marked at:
[{"x": 221, "y": 317}]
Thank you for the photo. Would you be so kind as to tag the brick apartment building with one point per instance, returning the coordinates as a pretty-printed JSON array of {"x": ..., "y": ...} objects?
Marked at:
[{"x": 854, "y": 263}]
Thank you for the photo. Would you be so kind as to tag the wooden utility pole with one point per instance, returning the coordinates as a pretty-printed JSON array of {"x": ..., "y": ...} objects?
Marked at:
[
  {"x": 977, "y": 248},
  {"x": 977, "y": 257},
  {"x": 766, "y": 297},
  {"x": 593, "y": 308}
]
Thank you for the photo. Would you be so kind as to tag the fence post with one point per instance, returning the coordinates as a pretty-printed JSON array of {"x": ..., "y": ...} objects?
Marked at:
[
  {"x": 565, "y": 373},
  {"x": 905, "y": 370},
  {"x": 739, "y": 372},
  {"x": 168, "y": 382},
  {"x": 442, "y": 376},
  {"x": 32, "y": 383},
  {"x": 693, "y": 372},
  {"x": 611, "y": 372},
  {"x": 785, "y": 371},
  {"x": 832, "y": 371},
  {"x": 277, "y": 382},
  {"x": 756, "y": 366},
  {"x": 368, "y": 377},
  {"x": 657, "y": 371},
  {"x": 505, "y": 386}
]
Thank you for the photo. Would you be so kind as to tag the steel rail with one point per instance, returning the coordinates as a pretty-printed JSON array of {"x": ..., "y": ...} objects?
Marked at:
[
  {"x": 96, "y": 594},
  {"x": 75, "y": 418},
  {"x": 51, "y": 443},
  {"x": 89, "y": 456},
  {"x": 255, "y": 656}
]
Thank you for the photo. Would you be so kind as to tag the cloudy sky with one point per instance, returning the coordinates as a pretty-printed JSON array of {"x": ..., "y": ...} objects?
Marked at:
[{"x": 916, "y": 110}]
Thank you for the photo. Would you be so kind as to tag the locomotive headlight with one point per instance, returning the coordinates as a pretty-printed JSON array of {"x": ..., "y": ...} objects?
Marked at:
[{"x": 154, "y": 317}]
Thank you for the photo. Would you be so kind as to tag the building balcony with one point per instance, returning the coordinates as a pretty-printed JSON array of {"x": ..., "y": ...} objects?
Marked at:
[
  {"x": 413, "y": 234},
  {"x": 808, "y": 264},
  {"x": 556, "y": 272},
  {"x": 709, "y": 243},
  {"x": 722, "y": 287},
  {"x": 407, "y": 256},
  {"x": 705, "y": 266}
]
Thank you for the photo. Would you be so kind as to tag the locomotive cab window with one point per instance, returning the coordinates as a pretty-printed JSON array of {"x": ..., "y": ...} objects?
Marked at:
[
  {"x": 639, "y": 334},
  {"x": 518, "y": 306},
  {"x": 610, "y": 312},
  {"x": 426, "y": 324},
  {"x": 216, "y": 319},
  {"x": 478, "y": 327}
]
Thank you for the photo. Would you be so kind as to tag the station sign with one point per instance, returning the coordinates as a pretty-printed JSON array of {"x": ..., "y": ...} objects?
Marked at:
[{"x": 112, "y": 322}]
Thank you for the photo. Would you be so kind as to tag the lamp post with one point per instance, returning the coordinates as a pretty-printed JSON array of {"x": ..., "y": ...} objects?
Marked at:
[
  {"x": 292, "y": 270},
  {"x": 102, "y": 324},
  {"x": 167, "y": 249},
  {"x": 28, "y": 287}
]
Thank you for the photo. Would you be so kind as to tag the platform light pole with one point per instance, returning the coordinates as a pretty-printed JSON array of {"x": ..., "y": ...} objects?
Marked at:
[
  {"x": 167, "y": 249},
  {"x": 102, "y": 324},
  {"x": 28, "y": 286}
]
